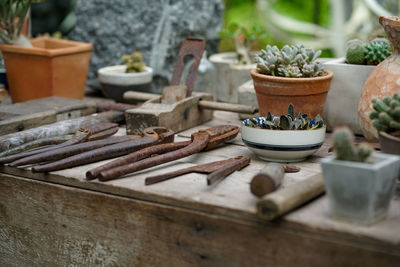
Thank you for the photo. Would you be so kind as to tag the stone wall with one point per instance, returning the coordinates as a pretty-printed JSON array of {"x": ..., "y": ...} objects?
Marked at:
[{"x": 154, "y": 27}]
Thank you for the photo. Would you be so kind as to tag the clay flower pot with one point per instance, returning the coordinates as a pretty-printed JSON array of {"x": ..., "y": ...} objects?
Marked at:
[
  {"x": 389, "y": 144},
  {"x": 274, "y": 93},
  {"x": 383, "y": 80},
  {"x": 51, "y": 68}
]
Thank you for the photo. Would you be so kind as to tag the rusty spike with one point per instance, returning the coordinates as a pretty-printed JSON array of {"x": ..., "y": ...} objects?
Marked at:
[
  {"x": 152, "y": 136},
  {"x": 203, "y": 168},
  {"x": 138, "y": 155},
  {"x": 200, "y": 140},
  {"x": 64, "y": 152},
  {"x": 224, "y": 171}
]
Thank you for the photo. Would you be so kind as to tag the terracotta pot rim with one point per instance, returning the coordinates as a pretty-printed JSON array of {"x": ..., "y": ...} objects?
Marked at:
[
  {"x": 255, "y": 74},
  {"x": 390, "y": 19},
  {"x": 389, "y": 136}
]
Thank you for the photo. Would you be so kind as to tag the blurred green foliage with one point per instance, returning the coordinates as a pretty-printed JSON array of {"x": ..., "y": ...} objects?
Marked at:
[{"x": 245, "y": 13}]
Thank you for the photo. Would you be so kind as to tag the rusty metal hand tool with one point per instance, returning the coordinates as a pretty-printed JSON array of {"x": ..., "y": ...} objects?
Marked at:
[
  {"x": 152, "y": 136},
  {"x": 217, "y": 170},
  {"x": 202, "y": 139},
  {"x": 90, "y": 133}
]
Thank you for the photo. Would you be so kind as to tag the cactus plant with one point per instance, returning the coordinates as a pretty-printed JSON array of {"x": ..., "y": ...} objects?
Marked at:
[
  {"x": 355, "y": 52},
  {"x": 286, "y": 122},
  {"x": 376, "y": 51},
  {"x": 134, "y": 62},
  {"x": 344, "y": 149},
  {"x": 291, "y": 61},
  {"x": 386, "y": 114}
]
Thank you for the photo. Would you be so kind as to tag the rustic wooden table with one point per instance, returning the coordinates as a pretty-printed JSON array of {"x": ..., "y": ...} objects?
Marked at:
[{"x": 59, "y": 218}]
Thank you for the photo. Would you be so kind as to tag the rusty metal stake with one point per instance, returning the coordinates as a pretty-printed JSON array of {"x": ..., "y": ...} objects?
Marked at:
[{"x": 239, "y": 163}]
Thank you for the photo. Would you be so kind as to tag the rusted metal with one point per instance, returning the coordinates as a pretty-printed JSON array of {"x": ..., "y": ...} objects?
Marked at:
[
  {"x": 190, "y": 47},
  {"x": 199, "y": 142},
  {"x": 203, "y": 168},
  {"x": 138, "y": 155},
  {"x": 290, "y": 168},
  {"x": 83, "y": 134},
  {"x": 239, "y": 163},
  {"x": 152, "y": 136},
  {"x": 225, "y": 133}
]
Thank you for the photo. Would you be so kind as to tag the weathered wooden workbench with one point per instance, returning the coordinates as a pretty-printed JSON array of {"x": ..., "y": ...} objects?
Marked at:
[{"x": 61, "y": 219}]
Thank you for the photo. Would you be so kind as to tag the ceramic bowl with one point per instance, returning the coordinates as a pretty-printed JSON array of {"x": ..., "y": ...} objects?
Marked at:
[{"x": 282, "y": 145}]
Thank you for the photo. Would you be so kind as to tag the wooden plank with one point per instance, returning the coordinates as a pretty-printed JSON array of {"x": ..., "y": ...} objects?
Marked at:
[{"x": 44, "y": 224}]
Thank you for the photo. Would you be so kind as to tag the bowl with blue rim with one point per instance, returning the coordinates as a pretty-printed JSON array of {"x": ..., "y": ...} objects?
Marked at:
[{"x": 284, "y": 138}]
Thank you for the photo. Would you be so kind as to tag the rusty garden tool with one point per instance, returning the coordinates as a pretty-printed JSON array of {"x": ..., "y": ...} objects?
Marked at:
[
  {"x": 89, "y": 133},
  {"x": 217, "y": 170},
  {"x": 202, "y": 139},
  {"x": 152, "y": 136}
]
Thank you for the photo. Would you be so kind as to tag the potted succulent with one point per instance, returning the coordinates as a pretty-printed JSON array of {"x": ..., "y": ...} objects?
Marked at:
[
  {"x": 233, "y": 68},
  {"x": 359, "y": 183},
  {"x": 386, "y": 119},
  {"x": 40, "y": 67},
  {"x": 350, "y": 75},
  {"x": 285, "y": 138},
  {"x": 290, "y": 75},
  {"x": 134, "y": 75}
]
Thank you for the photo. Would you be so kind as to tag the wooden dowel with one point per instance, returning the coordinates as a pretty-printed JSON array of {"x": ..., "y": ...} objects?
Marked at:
[
  {"x": 267, "y": 180},
  {"x": 282, "y": 201},
  {"x": 138, "y": 96},
  {"x": 227, "y": 107}
]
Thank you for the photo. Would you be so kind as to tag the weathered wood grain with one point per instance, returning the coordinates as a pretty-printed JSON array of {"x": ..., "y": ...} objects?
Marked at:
[{"x": 43, "y": 224}]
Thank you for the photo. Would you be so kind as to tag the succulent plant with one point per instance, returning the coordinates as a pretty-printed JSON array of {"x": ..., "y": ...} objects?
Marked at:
[
  {"x": 376, "y": 51},
  {"x": 134, "y": 62},
  {"x": 344, "y": 149},
  {"x": 355, "y": 51},
  {"x": 291, "y": 61},
  {"x": 386, "y": 114},
  {"x": 288, "y": 121}
]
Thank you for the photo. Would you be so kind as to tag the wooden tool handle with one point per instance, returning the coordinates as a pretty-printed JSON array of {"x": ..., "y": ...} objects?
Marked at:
[
  {"x": 267, "y": 180},
  {"x": 227, "y": 107},
  {"x": 132, "y": 96},
  {"x": 282, "y": 201}
]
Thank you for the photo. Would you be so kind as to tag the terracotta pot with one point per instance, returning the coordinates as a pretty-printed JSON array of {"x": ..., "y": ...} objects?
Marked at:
[
  {"x": 51, "y": 68},
  {"x": 383, "y": 80},
  {"x": 274, "y": 94}
]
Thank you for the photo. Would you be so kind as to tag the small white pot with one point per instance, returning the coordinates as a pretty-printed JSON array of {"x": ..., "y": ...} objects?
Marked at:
[
  {"x": 230, "y": 75},
  {"x": 342, "y": 101},
  {"x": 360, "y": 192},
  {"x": 115, "y": 82}
]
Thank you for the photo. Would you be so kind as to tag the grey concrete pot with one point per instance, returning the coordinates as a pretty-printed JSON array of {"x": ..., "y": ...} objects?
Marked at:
[
  {"x": 230, "y": 75},
  {"x": 360, "y": 192},
  {"x": 342, "y": 101}
]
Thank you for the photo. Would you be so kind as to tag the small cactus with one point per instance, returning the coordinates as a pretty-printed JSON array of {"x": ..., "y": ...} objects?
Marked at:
[
  {"x": 377, "y": 51},
  {"x": 344, "y": 149},
  {"x": 291, "y": 61},
  {"x": 386, "y": 114},
  {"x": 355, "y": 52},
  {"x": 134, "y": 62}
]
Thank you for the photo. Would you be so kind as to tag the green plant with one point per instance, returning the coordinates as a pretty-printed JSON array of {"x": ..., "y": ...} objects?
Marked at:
[
  {"x": 243, "y": 39},
  {"x": 355, "y": 52},
  {"x": 291, "y": 61},
  {"x": 134, "y": 62},
  {"x": 386, "y": 114},
  {"x": 12, "y": 18},
  {"x": 376, "y": 51},
  {"x": 371, "y": 53},
  {"x": 288, "y": 121},
  {"x": 344, "y": 149}
]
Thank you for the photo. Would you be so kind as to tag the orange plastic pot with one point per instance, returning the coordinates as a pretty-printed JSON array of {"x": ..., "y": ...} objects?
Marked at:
[
  {"x": 52, "y": 67},
  {"x": 274, "y": 94}
]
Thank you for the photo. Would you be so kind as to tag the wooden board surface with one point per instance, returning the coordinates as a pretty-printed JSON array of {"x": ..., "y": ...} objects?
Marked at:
[{"x": 231, "y": 198}]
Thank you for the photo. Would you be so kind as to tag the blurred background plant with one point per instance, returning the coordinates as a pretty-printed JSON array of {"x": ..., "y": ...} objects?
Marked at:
[{"x": 321, "y": 24}]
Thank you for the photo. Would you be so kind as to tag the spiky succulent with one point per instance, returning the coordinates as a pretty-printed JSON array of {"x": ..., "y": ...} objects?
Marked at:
[
  {"x": 344, "y": 149},
  {"x": 134, "y": 62},
  {"x": 376, "y": 51},
  {"x": 386, "y": 114},
  {"x": 286, "y": 122},
  {"x": 355, "y": 51},
  {"x": 291, "y": 61}
]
